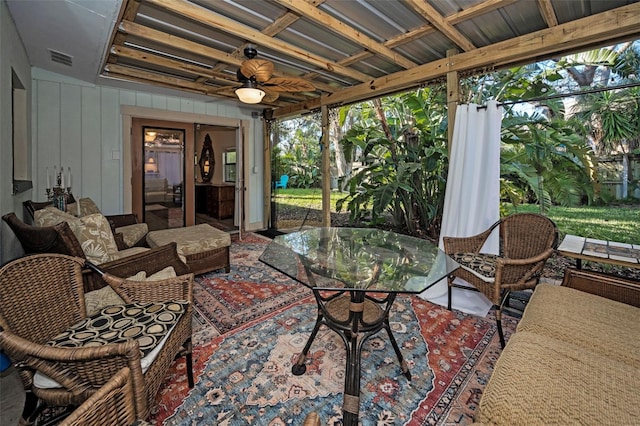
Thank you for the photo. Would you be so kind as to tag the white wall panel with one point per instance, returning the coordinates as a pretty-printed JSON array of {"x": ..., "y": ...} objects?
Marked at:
[
  {"x": 46, "y": 141},
  {"x": 83, "y": 123},
  {"x": 13, "y": 58},
  {"x": 144, "y": 100},
  {"x": 127, "y": 97},
  {"x": 110, "y": 130},
  {"x": 173, "y": 104},
  {"x": 88, "y": 183},
  {"x": 71, "y": 132},
  {"x": 211, "y": 108},
  {"x": 186, "y": 105},
  {"x": 159, "y": 102}
]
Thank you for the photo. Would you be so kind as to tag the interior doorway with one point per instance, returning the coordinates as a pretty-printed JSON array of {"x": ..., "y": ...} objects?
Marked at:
[
  {"x": 163, "y": 178},
  {"x": 218, "y": 158},
  {"x": 161, "y": 195},
  {"x": 134, "y": 118}
]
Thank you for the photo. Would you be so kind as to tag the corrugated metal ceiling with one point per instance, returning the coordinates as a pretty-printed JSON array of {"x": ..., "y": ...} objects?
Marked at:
[{"x": 334, "y": 44}]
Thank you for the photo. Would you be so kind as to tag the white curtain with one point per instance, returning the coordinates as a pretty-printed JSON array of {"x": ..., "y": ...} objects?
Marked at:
[
  {"x": 472, "y": 197},
  {"x": 170, "y": 166}
]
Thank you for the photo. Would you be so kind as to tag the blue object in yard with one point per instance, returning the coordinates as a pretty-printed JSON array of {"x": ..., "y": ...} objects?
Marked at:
[
  {"x": 4, "y": 362},
  {"x": 284, "y": 179}
]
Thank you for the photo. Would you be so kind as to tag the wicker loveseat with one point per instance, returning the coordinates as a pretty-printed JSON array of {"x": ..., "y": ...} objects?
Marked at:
[
  {"x": 60, "y": 239},
  {"x": 574, "y": 359}
]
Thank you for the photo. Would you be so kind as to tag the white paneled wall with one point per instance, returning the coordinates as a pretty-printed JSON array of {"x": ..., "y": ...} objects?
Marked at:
[
  {"x": 79, "y": 125},
  {"x": 13, "y": 59}
]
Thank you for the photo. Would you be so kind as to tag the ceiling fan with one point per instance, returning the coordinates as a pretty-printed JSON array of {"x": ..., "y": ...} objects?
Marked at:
[{"x": 258, "y": 83}]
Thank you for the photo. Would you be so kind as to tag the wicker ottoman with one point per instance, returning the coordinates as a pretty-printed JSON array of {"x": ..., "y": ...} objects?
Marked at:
[{"x": 204, "y": 247}]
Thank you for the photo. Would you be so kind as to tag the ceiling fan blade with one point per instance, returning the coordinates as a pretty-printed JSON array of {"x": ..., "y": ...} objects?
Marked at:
[
  {"x": 270, "y": 96},
  {"x": 289, "y": 84},
  {"x": 258, "y": 68}
]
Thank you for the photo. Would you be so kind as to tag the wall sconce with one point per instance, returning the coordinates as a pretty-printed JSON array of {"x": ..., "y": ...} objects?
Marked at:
[
  {"x": 249, "y": 93},
  {"x": 151, "y": 166}
]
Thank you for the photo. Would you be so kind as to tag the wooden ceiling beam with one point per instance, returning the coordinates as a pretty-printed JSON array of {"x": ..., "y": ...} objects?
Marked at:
[
  {"x": 178, "y": 42},
  {"x": 569, "y": 37},
  {"x": 173, "y": 64},
  {"x": 322, "y": 18},
  {"x": 188, "y": 46},
  {"x": 478, "y": 10},
  {"x": 215, "y": 20},
  {"x": 128, "y": 12},
  {"x": 547, "y": 12},
  {"x": 145, "y": 77},
  {"x": 429, "y": 13}
]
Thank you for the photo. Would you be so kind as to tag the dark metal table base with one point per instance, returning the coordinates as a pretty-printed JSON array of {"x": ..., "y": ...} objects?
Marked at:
[{"x": 355, "y": 317}]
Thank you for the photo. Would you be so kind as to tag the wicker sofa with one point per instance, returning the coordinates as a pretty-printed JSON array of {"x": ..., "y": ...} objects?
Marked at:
[{"x": 574, "y": 359}]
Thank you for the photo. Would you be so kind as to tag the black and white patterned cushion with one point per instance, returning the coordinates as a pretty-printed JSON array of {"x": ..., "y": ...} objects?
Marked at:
[
  {"x": 148, "y": 323},
  {"x": 481, "y": 265}
]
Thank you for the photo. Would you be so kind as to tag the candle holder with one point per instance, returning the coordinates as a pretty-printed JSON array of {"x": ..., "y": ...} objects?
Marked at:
[{"x": 59, "y": 195}]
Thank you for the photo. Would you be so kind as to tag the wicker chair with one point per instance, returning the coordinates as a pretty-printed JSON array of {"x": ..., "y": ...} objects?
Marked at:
[
  {"x": 112, "y": 405},
  {"x": 60, "y": 239},
  {"x": 527, "y": 240},
  {"x": 42, "y": 296}
]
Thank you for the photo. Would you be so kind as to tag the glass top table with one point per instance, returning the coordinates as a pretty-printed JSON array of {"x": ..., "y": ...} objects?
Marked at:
[{"x": 355, "y": 275}]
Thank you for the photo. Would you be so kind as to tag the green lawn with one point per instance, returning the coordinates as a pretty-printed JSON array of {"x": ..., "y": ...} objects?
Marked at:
[
  {"x": 305, "y": 198},
  {"x": 613, "y": 223}
]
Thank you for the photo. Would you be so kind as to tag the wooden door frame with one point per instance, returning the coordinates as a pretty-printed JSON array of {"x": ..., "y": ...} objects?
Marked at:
[
  {"x": 128, "y": 112},
  {"x": 137, "y": 164}
]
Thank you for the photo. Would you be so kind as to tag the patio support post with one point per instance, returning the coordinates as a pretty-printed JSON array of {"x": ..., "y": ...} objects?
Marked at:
[
  {"x": 266, "y": 163},
  {"x": 453, "y": 96},
  {"x": 326, "y": 168}
]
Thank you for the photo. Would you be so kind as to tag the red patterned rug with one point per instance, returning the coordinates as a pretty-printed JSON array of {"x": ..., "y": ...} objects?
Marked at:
[{"x": 252, "y": 322}]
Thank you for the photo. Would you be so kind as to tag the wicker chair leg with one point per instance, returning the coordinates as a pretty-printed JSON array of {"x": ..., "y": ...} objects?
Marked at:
[
  {"x": 189, "y": 359},
  {"x": 499, "y": 324}
]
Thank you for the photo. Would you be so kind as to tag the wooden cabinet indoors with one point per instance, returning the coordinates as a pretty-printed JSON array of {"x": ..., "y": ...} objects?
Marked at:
[{"x": 216, "y": 200}]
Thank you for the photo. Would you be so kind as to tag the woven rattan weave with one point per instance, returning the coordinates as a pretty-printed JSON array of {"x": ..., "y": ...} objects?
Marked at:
[
  {"x": 42, "y": 295},
  {"x": 527, "y": 240}
]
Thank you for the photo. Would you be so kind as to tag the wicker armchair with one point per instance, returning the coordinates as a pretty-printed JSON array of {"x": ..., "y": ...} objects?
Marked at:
[
  {"x": 42, "y": 296},
  {"x": 112, "y": 405},
  {"x": 527, "y": 240}
]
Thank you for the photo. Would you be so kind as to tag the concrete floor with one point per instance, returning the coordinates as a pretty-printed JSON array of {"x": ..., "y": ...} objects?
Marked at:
[{"x": 12, "y": 397}]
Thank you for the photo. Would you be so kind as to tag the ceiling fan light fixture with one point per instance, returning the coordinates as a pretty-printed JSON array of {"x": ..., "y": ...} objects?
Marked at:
[{"x": 249, "y": 93}]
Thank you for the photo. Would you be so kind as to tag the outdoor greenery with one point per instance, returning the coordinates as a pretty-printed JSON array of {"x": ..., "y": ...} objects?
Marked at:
[
  {"x": 609, "y": 223},
  {"x": 612, "y": 223},
  {"x": 304, "y": 198},
  {"x": 561, "y": 118}
]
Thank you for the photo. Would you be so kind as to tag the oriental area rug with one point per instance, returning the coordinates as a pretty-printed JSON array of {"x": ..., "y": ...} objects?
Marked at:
[{"x": 250, "y": 325}]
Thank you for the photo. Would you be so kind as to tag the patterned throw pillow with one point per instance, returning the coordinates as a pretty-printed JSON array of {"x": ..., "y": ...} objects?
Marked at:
[
  {"x": 95, "y": 237},
  {"x": 163, "y": 274},
  {"x": 50, "y": 216},
  {"x": 83, "y": 207},
  {"x": 97, "y": 300}
]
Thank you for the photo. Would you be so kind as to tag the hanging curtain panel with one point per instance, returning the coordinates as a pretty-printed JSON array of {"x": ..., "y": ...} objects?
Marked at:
[{"x": 472, "y": 197}]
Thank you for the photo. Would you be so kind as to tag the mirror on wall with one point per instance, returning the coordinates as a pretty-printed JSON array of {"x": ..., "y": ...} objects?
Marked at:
[
  {"x": 207, "y": 161},
  {"x": 21, "y": 147}
]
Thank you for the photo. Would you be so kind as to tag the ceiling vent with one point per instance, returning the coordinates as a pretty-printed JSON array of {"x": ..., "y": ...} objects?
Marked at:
[{"x": 61, "y": 58}]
